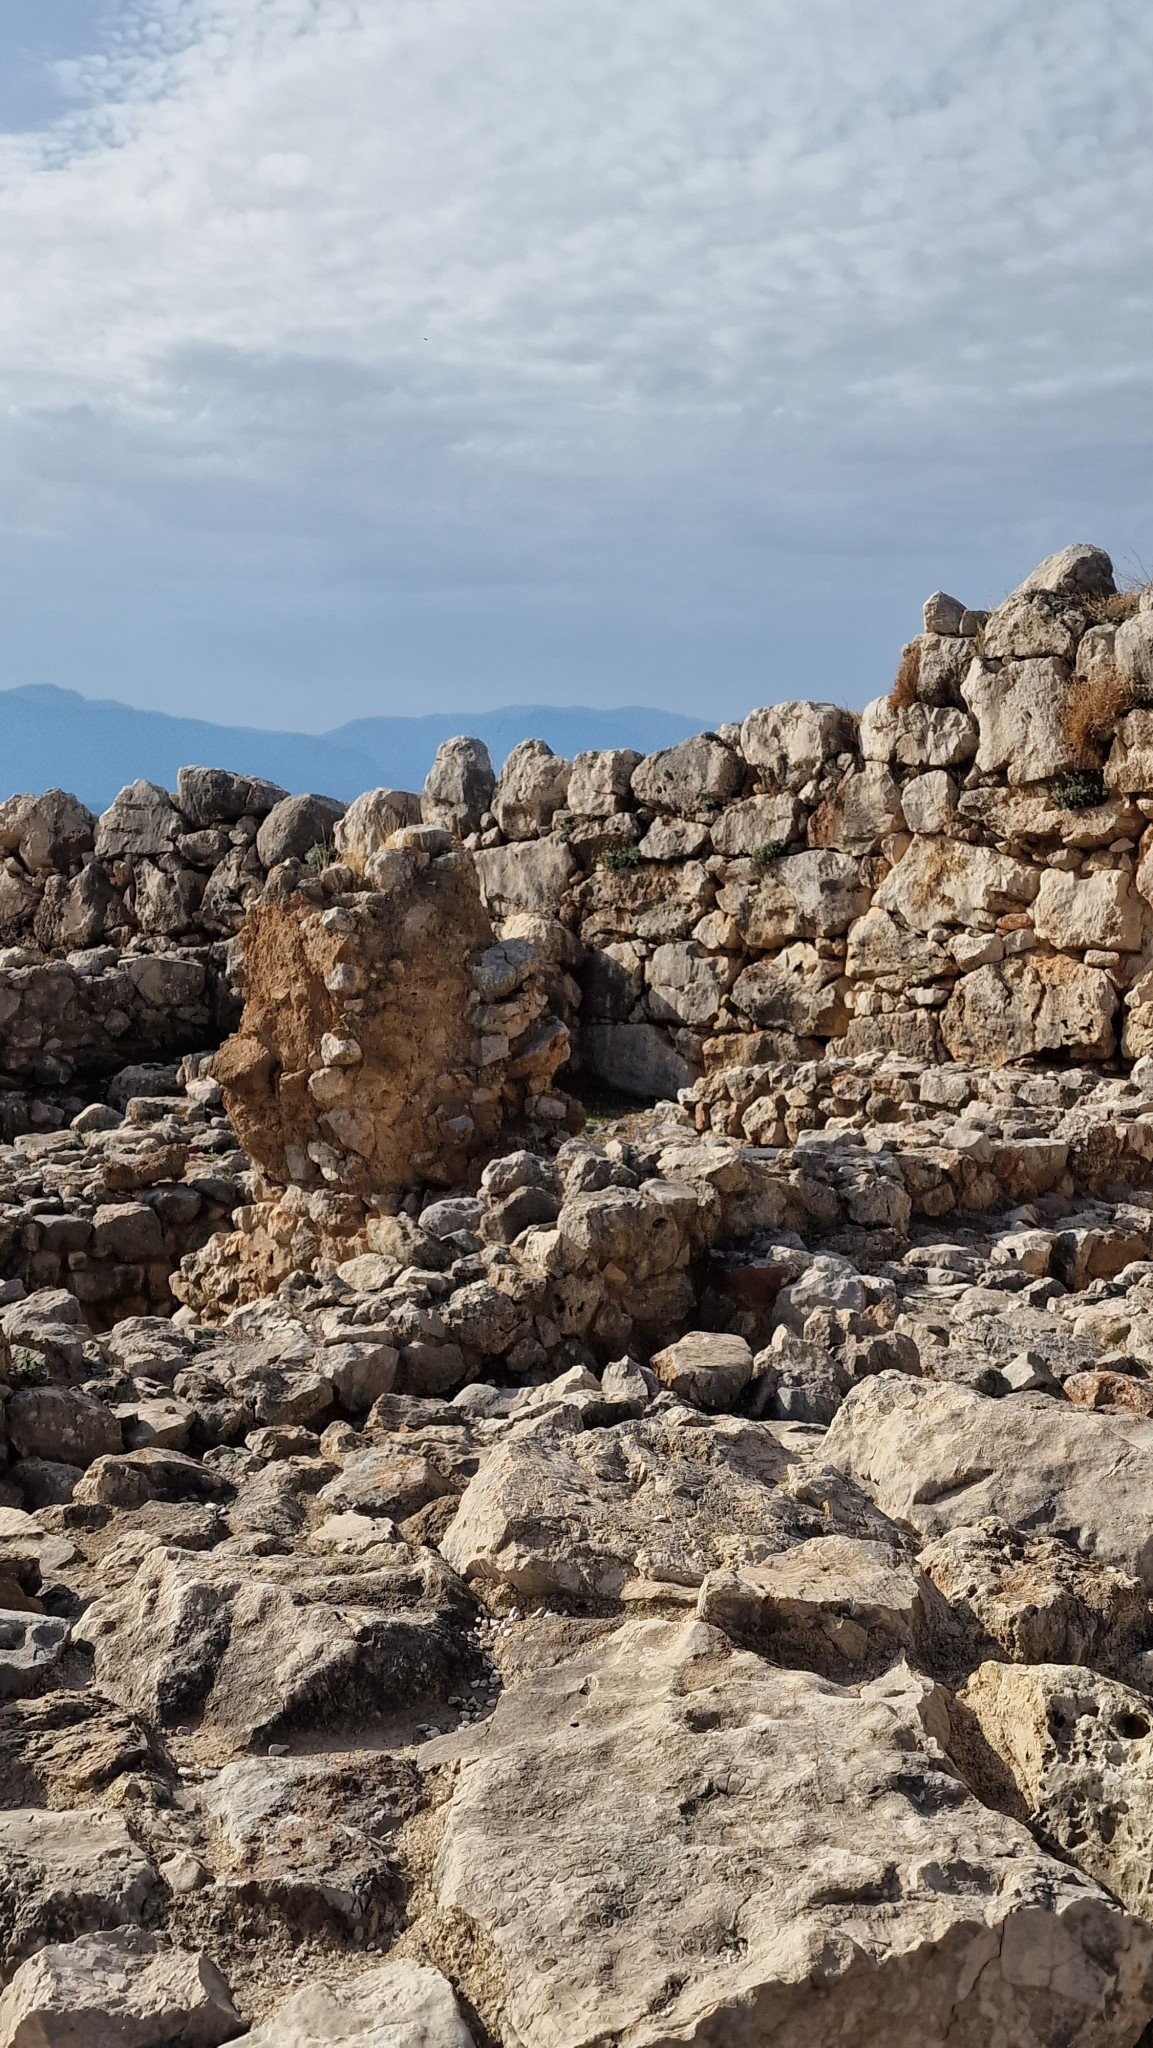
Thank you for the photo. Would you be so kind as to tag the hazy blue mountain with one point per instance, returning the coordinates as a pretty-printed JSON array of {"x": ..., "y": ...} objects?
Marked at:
[{"x": 53, "y": 738}]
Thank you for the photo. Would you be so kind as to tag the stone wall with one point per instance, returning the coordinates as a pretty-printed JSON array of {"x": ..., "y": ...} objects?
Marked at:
[
  {"x": 964, "y": 871},
  {"x": 115, "y": 931}
]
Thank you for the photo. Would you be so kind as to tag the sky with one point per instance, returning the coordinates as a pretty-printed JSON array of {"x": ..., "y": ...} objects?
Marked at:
[{"x": 394, "y": 355}]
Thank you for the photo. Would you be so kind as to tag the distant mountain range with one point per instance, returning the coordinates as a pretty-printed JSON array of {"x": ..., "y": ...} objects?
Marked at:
[{"x": 52, "y": 738}]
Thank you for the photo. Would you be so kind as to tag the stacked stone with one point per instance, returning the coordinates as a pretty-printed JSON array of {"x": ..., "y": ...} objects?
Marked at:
[
  {"x": 961, "y": 872},
  {"x": 965, "y": 871},
  {"x": 386, "y": 1038}
]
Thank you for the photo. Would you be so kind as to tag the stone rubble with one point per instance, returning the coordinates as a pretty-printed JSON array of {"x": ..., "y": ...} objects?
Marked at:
[{"x": 481, "y": 1569}]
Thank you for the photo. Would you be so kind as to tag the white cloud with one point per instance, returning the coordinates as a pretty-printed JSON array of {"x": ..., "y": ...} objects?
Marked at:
[{"x": 428, "y": 294}]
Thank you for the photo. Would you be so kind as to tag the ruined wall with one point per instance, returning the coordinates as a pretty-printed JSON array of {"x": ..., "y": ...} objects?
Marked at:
[
  {"x": 114, "y": 931},
  {"x": 387, "y": 1037},
  {"x": 964, "y": 871}
]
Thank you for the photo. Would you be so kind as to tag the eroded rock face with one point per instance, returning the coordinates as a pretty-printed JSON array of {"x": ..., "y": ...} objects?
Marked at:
[
  {"x": 259, "y": 1646},
  {"x": 1078, "y": 1751},
  {"x": 942, "y": 1457},
  {"x": 385, "y": 1039},
  {"x": 666, "y": 1500},
  {"x": 767, "y": 1911}
]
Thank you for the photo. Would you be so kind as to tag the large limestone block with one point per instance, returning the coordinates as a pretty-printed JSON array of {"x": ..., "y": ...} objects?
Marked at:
[
  {"x": 686, "y": 985},
  {"x": 929, "y": 802},
  {"x": 639, "y": 1059},
  {"x": 920, "y": 737},
  {"x": 1045, "y": 1003},
  {"x": 650, "y": 902},
  {"x": 1133, "y": 651},
  {"x": 399, "y": 2004},
  {"x": 862, "y": 811},
  {"x": 813, "y": 895},
  {"x": 305, "y": 1834},
  {"x": 1080, "y": 570},
  {"x": 942, "y": 881},
  {"x": 939, "y": 1456},
  {"x": 214, "y": 796},
  {"x": 531, "y": 878},
  {"x": 601, "y": 780},
  {"x": 1078, "y": 1750},
  {"x": 693, "y": 779},
  {"x": 531, "y": 787},
  {"x": 1022, "y": 814},
  {"x": 259, "y": 1644},
  {"x": 668, "y": 1499},
  {"x": 1030, "y": 1599},
  {"x": 1021, "y": 711},
  {"x": 840, "y": 1605},
  {"x": 458, "y": 788},
  {"x": 942, "y": 665},
  {"x": 50, "y": 832},
  {"x": 1030, "y": 625},
  {"x": 942, "y": 613},
  {"x": 795, "y": 991},
  {"x": 369, "y": 823},
  {"x": 1076, "y": 911},
  {"x": 758, "y": 821},
  {"x": 790, "y": 743},
  {"x": 881, "y": 950},
  {"x": 117, "y": 1990},
  {"x": 64, "y": 1874},
  {"x": 1129, "y": 769},
  {"x": 666, "y": 1840},
  {"x": 142, "y": 820},
  {"x": 706, "y": 1368},
  {"x": 295, "y": 827}
]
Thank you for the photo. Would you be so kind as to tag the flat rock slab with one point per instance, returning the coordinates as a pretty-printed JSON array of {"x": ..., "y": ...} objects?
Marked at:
[
  {"x": 664, "y": 1839},
  {"x": 259, "y": 1644},
  {"x": 669, "y": 1498},
  {"x": 398, "y": 2005},
  {"x": 117, "y": 1990},
  {"x": 839, "y": 1605},
  {"x": 941, "y": 1457},
  {"x": 68, "y": 1874}
]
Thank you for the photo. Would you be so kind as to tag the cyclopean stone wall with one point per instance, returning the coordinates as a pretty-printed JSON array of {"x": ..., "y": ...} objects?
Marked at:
[
  {"x": 964, "y": 871},
  {"x": 115, "y": 930}
]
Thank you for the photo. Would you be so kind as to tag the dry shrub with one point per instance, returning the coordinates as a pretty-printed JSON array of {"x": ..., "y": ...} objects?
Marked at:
[
  {"x": 1095, "y": 707},
  {"x": 904, "y": 690},
  {"x": 1111, "y": 610}
]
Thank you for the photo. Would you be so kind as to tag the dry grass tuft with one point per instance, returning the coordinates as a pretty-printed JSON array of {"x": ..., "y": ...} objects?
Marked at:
[
  {"x": 904, "y": 690},
  {"x": 1094, "y": 710},
  {"x": 1111, "y": 610}
]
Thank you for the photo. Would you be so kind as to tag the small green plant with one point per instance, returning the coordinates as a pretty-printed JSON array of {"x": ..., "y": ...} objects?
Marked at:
[
  {"x": 617, "y": 859},
  {"x": 765, "y": 855},
  {"x": 1081, "y": 790},
  {"x": 320, "y": 856},
  {"x": 28, "y": 1368},
  {"x": 563, "y": 824}
]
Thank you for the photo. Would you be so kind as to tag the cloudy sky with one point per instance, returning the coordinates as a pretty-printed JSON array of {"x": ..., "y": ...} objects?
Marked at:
[{"x": 389, "y": 355}]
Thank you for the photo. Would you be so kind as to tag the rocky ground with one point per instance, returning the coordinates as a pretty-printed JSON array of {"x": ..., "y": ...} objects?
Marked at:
[
  {"x": 672, "y": 1590},
  {"x": 478, "y": 1576}
]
